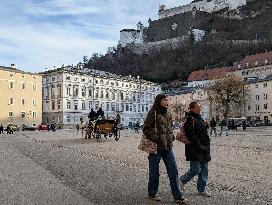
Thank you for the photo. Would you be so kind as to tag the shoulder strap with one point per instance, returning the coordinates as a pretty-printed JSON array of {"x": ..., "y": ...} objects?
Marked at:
[{"x": 155, "y": 119}]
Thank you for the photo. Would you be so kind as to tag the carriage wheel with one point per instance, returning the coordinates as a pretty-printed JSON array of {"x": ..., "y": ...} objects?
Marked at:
[{"x": 117, "y": 134}]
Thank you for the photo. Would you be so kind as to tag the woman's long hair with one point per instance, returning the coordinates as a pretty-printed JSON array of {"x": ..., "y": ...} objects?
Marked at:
[{"x": 157, "y": 103}]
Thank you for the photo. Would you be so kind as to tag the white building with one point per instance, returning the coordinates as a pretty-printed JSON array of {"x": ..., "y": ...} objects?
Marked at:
[
  {"x": 70, "y": 94},
  {"x": 259, "y": 104},
  {"x": 129, "y": 36},
  {"x": 257, "y": 71}
]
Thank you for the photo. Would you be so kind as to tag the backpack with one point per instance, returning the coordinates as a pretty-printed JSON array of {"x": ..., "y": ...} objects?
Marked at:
[{"x": 181, "y": 134}]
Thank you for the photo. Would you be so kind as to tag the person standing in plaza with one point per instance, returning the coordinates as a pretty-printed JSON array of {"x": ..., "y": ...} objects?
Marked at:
[
  {"x": 1, "y": 129},
  {"x": 197, "y": 152},
  {"x": 224, "y": 127},
  {"x": 213, "y": 127},
  {"x": 163, "y": 136}
]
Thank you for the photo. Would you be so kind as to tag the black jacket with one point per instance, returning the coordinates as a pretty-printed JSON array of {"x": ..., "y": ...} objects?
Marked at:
[{"x": 196, "y": 132}]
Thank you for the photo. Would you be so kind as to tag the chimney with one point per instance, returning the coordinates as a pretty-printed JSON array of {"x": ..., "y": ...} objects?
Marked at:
[{"x": 14, "y": 66}]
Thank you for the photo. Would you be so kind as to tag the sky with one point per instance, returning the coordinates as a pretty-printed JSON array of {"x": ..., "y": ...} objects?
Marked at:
[{"x": 39, "y": 34}]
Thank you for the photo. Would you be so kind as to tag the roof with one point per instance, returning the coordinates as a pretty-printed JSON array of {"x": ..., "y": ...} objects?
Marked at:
[
  {"x": 15, "y": 70},
  {"x": 209, "y": 74},
  {"x": 256, "y": 60},
  {"x": 129, "y": 30}
]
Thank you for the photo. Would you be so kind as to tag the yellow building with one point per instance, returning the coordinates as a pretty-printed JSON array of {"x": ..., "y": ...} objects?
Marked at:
[{"x": 20, "y": 97}]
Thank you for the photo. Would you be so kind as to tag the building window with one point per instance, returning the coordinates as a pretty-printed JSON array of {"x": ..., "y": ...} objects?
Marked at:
[
  {"x": 11, "y": 85},
  {"x": 265, "y": 106},
  {"x": 248, "y": 107},
  {"x": 23, "y": 114},
  {"x": 257, "y": 97},
  {"x": 127, "y": 107},
  {"x": 22, "y": 101},
  {"x": 34, "y": 114},
  {"x": 112, "y": 106},
  {"x": 265, "y": 96},
  {"x": 107, "y": 107},
  {"x": 76, "y": 105},
  {"x": 58, "y": 104},
  {"x": 23, "y": 86},
  {"x": 96, "y": 105},
  {"x": 90, "y": 92},
  {"x": 69, "y": 90},
  {"x": 256, "y": 86},
  {"x": 83, "y": 92},
  {"x": 53, "y": 104},
  {"x": 265, "y": 85},
  {"x": 68, "y": 104},
  {"x": 11, "y": 101},
  {"x": 83, "y": 105},
  {"x": 122, "y": 106},
  {"x": 10, "y": 114},
  {"x": 90, "y": 105},
  {"x": 68, "y": 119},
  {"x": 34, "y": 102},
  {"x": 68, "y": 78},
  {"x": 53, "y": 78},
  {"x": 34, "y": 87},
  {"x": 257, "y": 107}
]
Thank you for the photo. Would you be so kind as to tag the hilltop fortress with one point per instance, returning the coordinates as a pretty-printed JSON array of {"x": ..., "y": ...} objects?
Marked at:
[
  {"x": 208, "y": 6},
  {"x": 175, "y": 25}
]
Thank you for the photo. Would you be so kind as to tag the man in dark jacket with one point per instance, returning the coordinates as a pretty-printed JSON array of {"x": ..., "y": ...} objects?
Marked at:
[
  {"x": 92, "y": 115},
  {"x": 1, "y": 129},
  {"x": 197, "y": 151},
  {"x": 213, "y": 126}
]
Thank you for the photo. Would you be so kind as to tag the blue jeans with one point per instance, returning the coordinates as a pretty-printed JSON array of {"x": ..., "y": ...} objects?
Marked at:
[
  {"x": 200, "y": 169},
  {"x": 154, "y": 172}
]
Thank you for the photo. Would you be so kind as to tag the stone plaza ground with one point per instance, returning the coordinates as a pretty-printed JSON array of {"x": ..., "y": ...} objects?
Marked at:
[{"x": 63, "y": 168}]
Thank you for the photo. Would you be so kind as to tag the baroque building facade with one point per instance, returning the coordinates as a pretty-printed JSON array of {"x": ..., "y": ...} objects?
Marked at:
[
  {"x": 21, "y": 97},
  {"x": 69, "y": 94}
]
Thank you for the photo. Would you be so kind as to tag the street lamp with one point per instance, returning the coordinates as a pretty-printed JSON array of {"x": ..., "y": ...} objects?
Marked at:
[
  {"x": 93, "y": 91},
  {"x": 138, "y": 77}
]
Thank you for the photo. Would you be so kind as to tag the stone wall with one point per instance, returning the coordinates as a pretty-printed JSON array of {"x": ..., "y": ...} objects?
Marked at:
[
  {"x": 162, "y": 29},
  {"x": 205, "y": 5}
]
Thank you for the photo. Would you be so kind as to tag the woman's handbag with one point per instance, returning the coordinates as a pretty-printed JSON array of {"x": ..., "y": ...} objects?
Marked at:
[{"x": 147, "y": 145}]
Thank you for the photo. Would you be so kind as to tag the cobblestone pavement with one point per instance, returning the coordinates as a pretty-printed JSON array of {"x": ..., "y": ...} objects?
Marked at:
[{"x": 63, "y": 168}]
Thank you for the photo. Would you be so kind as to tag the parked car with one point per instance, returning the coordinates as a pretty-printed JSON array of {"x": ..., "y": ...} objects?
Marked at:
[
  {"x": 43, "y": 127},
  {"x": 15, "y": 128},
  {"x": 28, "y": 128}
]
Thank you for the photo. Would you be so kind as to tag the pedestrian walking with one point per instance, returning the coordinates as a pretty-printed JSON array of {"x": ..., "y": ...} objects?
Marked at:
[
  {"x": 1, "y": 129},
  {"x": 244, "y": 124},
  {"x": 223, "y": 127},
  {"x": 213, "y": 127},
  {"x": 163, "y": 137},
  {"x": 197, "y": 152}
]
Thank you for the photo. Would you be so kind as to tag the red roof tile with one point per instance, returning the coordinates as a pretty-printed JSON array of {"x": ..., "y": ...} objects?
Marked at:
[
  {"x": 209, "y": 74},
  {"x": 261, "y": 59}
]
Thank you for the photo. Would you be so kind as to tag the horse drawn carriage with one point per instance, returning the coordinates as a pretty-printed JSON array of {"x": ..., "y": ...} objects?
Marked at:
[{"x": 108, "y": 128}]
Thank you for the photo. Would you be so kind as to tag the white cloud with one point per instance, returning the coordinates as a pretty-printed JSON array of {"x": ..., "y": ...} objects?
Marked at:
[
  {"x": 60, "y": 7},
  {"x": 36, "y": 35}
]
